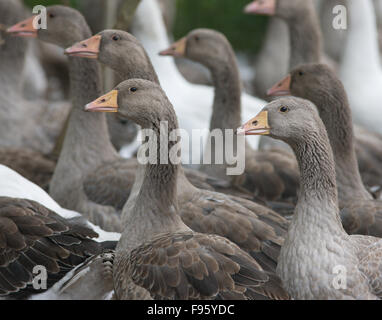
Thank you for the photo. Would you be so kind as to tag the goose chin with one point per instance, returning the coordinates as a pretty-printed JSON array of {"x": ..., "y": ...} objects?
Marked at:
[
  {"x": 24, "y": 34},
  {"x": 88, "y": 55},
  {"x": 92, "y": 108},
  {"x": 258, "y": 132}
]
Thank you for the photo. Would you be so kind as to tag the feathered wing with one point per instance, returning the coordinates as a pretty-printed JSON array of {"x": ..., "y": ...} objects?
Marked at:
[
  {"x": 363, "y": 217},
  {"x": 190, "y": 266},
  {"x": 370, "y": 254},
  {"x": 31, "y": 235},
  {"x": 254, "y": 228},
  {"x": 110, "y": 184}
]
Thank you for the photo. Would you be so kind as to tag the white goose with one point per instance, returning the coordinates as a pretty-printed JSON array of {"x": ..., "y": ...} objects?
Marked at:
[
  {"x": 192, "y": 102},
  {"x": 361, "y": 71}
]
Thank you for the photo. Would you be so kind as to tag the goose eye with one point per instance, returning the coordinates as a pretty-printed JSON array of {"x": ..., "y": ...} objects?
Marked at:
[
  {"x": 284, "y": 109},
  {"x": 300, "y": 73},
  {"x": 51, "y": 15},
  {"x": 197, "y": 38},
  {"x": 133, "y": 89},
  {"x": 116, "y": 37}
]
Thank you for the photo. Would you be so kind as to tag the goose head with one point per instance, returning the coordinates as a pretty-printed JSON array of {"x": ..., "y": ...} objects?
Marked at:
[
  {"x": 315, "y": 82},
  {"x": 115, "y": 48},
  {"x": 287, "y": 9},
  {"x": 205, "y": 46},
  {"x": 141, "y": 101},
  {"x": 288, "y": 119},
  {"x": 64, "y": 26}
]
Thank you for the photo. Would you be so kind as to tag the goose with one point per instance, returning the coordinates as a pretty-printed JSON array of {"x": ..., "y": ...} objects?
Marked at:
[
  {"x": 317, "y": 251},
  {"x": 35, "y": 230},
  {"x": 192, "y": 102},
  {"x": 88, "y": 162},
  {"x": 87, "y": 154},
  {"x": 202, "y": 210},
  {"x": 40, "y": 121},
  {"x": 115, "y": 125},
  {"x": 25, "y": 150},
  {"x": 307, "y": 49},
  {"x": 273, "y": 173},
  {"x": 316, "y": 82},
  {"x": 158, "y": 252},
  {"x": 302, "y": 48},
  {"x": 361, "y": 71}
]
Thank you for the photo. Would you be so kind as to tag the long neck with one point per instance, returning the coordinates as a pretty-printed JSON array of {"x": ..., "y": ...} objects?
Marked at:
[
  {"x": 305, "y": 37},
  {"x": 227, "y": 100},
  {"x": 155, "y": 207},
  {"x": 12, "y": 60},
  {"x": 139, "y": 70},
  {"x": 362, "y": 42},
  {"x": 336, "y": 115},
  {"x": 317, "y": 182},
  {"x": 87, "y": 143}
]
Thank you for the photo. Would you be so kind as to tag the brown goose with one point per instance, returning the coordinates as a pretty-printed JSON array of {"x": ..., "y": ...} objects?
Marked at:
[
  {"x": 87, "y": 152},
  {"x": 90, "y": 177},
  {"x": 317, "y": 251},
  {"x": 24, "y": 144},
  {"x": 317, "y": 83},
  {"x": 157, "y": 252},
  {"x": 23, "y": 123},
  {"x": 271, "y": 174},
  {"x": 32, "y": 235},
  {"x": 255, "y": 228}
]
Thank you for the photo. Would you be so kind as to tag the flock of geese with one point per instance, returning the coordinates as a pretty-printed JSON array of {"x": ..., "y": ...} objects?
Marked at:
[{"x": 302, "y": 222}]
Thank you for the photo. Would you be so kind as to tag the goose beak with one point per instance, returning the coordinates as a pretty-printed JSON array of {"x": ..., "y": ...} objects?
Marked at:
[
  {"x": 258, "y": 126},
  {"x": 88, "y": 48},
  {"x": 263, "y": 7},
  {"x": 177, "y": 49},
  {"x": 106, "y": 103},
  {"x": 281, "y": 88},
  {"x": 24, "y": 29}
]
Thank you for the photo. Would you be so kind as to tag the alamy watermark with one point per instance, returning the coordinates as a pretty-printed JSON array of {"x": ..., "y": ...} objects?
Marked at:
[
  {"x": 222, "y": 147},
  {"x": 340, "y": 21}
]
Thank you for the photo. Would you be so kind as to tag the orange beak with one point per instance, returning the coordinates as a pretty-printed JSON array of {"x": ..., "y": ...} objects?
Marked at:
[
  {"x": 258, "y": 126},
  {"x": 24, "y": 29},
  {"x": 177, "y": 49},
  {"x": 281, "y": 88},
  {"x": 263, "y": 7},
  {"x": 88, "y": 48},
  {"x": 106, "y": 103}
]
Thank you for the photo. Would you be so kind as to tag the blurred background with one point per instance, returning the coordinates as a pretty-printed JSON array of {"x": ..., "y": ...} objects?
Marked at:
[{"x": 184, "y": 15}]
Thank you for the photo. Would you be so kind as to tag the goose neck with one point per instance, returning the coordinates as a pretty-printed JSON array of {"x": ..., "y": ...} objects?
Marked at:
[
  {"x": 336, "y": 115},
  {"x": 305, "y": 38}
]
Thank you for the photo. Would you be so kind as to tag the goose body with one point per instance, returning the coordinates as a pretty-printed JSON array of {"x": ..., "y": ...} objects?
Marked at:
[
  {"x": 317, "y": 248},
  {"x": 37, "y": 231}
]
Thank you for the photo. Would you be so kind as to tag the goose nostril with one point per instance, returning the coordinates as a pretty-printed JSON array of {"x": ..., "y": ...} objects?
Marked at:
[
  {"x": 23, "y": 25},
  {"x": 103, "y": 100},
  {"x": 255, "y": 123},
  {"x": 84, "y": 45}
]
